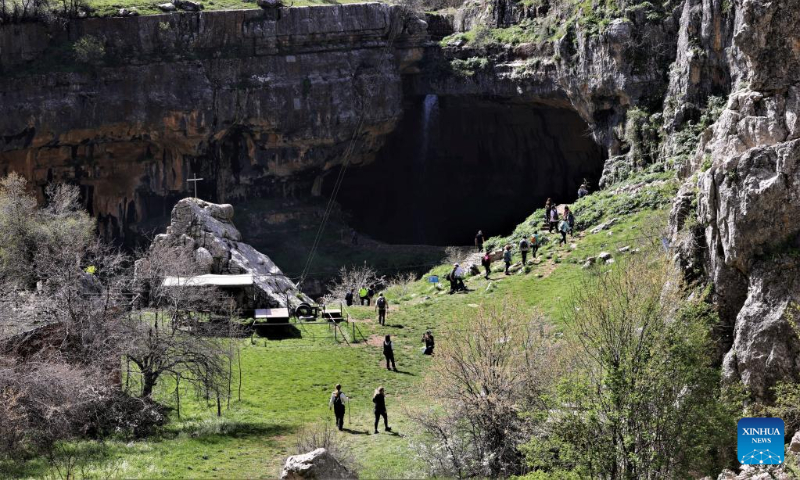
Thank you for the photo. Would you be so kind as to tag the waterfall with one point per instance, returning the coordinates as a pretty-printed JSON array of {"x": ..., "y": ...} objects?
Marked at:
[{"x": 430, "y": 107}]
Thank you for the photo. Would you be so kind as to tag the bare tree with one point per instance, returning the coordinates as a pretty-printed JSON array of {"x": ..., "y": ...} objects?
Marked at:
[
  {"x": 175, "y": 335},
  {"x": 490, "y": 370},
  {"x": 352, "y": 278}
]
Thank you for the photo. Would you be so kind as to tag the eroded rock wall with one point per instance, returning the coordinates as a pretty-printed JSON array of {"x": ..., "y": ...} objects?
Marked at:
[
  {"x": 255, "y": 102},
  {"x": 745, "y": 177}
]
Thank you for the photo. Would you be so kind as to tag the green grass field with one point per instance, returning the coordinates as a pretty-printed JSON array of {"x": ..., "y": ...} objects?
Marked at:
[{"x": 286, "y": 383}]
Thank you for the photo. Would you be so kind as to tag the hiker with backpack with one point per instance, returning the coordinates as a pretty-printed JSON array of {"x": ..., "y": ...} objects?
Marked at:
[
  {"x": 456, "y": 280},
  {"x": 388, "y": 352},
  {"x": 507, "y": 257},
  {"x": 570, "y": 218},
  {"x": 524, "y": 246},
  {"x": 536, "y": 240},
  {"x": 479, "y": 240},
  {"x": 348, "y": 298},
  {"x": 337, "y": 401},
  {"x": 380, "y": 306},
  {"x": 379, "y": 399},
  {"x": 427, "y": 339},
  {"x": 553, "y": 218},
  {"x": 563, "y": 228},
  {"x": 486, "y": 262},
  {"x": 363, "y": 295}
]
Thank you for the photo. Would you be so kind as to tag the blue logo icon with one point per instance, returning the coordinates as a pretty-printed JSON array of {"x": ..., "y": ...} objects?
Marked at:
[{"x": 760, "y": 441}]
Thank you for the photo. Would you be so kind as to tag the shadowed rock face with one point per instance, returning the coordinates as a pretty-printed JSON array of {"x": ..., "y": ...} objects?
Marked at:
[
  {"x": 257, "y": 103},
  {"x": 458, "y": 164}
]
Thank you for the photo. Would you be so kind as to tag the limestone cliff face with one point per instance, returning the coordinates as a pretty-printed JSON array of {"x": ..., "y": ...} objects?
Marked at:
[
  {"x": 255, "y": 102},
  {"x": 744, "y": 232}
]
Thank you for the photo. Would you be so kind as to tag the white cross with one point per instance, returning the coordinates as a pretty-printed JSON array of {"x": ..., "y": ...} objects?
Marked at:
[{"x": 195, "y": 180}]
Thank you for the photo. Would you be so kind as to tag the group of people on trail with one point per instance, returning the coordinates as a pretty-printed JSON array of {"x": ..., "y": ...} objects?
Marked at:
[
  {"x": 563, "y": 224},
  {"x": 339, "y": 399},
  {"x": 364, "y": 296}
]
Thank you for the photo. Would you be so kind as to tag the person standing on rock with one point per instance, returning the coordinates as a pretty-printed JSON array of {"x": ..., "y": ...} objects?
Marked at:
[
  {"x": 363, "y": 295},
  {"x": 479, "y": 240},
  {"x": 379, "y": 400},
  {"x": 388, "y": 352},
  {"x": 348, "y": 298},
  {"x": 524, "y": 246},
  {"x": 507, "y": 257},
  {"x": 380, "y": 306},
  {"x": 486, "y": 262},
  {"x": 337, "y": 401}
]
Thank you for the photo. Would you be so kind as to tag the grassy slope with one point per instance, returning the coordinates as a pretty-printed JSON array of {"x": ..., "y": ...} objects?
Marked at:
[{"x": 287, "y": 383}]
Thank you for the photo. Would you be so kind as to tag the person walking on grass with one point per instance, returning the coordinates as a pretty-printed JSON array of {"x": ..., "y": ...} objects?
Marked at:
[
  {"x": 348, "y": 298},
  {"x": 363, "y": 295},
  {"x": 388, "y": 352},
  {"x": 553, "y": 218},
  {"x": 479, "y": 240},
  {"x": 427, "y": 339},
  {"x": 337, "y": 401},
  {"x": 486, "y": 261},
  {"x": 570, "y": 218},
  {"x": 536, "y": 240},
  {"x": 380, "y": 306},
  {"x": 563, "y": 228},
  {"x": 379, "y": 400},
  {"x": 524, "y": 246},
  {"x": 507, "y": 257}
]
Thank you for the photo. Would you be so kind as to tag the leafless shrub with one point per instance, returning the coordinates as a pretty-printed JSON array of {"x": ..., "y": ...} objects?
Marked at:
[
  {"x": 490, "y": 369},
  {"x": 352, "y": 278},
  {"x": 458, "y": 254},
  {"x": 401, "y": 283},
  {"x": 325, "y": 435}
]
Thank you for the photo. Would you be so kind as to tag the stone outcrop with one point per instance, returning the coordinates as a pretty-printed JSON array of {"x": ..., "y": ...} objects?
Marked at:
[
  {"x": 318, "y": 464},
  {"x": 208, "y": 231}
]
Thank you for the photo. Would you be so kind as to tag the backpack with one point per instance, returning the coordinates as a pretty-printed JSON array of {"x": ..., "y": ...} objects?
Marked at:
[
  {"x": 381, "y": 302},
  {"x": 337, "y": 400},
  {"x": 362, "y": 293},
  {"x": 523, "y": 244}
]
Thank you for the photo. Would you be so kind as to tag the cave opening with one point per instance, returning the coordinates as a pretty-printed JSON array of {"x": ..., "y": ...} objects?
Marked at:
[{"x": 458, "y": 164}]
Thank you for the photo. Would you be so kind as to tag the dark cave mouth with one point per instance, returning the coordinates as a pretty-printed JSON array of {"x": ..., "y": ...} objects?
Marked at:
[{"x": 455, "y": 165}]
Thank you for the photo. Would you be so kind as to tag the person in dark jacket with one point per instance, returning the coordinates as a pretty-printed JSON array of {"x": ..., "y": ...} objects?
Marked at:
[
  {"x": 379, "y": 399},
  {"x": 388, "y": 352},
  {"x": 486, "y": 261},
  {"x": 381, "y": 305},
  {"x": 348, "y": 298},
  {"x": 547, "y": 206},
  {"x": 337, "y": 401},
  {"x": 479, "y": 240},
  {"x": 570, "y": 218},
  {"x": 507, "y": 258},
  {"x": 427, "y": 339}
]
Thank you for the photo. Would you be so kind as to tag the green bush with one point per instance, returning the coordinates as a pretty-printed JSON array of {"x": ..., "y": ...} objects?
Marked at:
[
  {"x": 643, "y": 399},
  {"x": 89, "y": 49}
]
